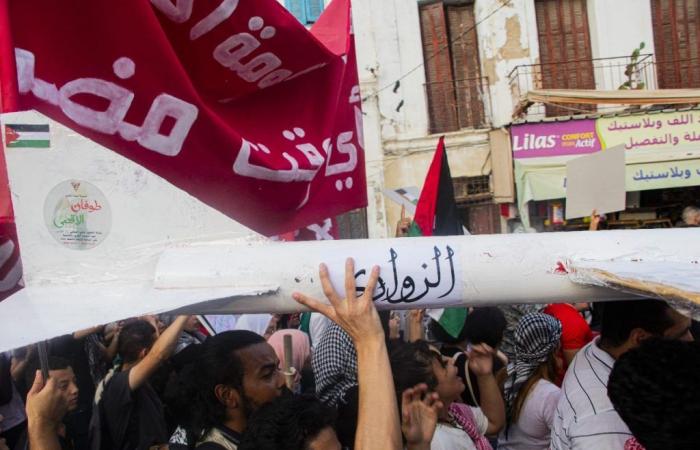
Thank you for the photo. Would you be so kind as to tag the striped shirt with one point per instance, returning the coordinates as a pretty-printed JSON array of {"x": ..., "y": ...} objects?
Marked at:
[{"x": 585, "y": 417}]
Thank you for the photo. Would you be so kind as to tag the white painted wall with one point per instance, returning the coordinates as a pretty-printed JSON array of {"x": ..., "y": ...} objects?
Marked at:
[
  {"x": 507, "y": 39},
  {"x": 616, "y": 29}
]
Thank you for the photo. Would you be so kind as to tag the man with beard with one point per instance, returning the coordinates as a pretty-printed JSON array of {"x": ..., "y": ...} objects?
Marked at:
[{"x": 236, "y": 373}]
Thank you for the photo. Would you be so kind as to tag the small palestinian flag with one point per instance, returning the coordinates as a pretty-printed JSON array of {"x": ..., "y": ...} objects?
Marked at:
[
  {"x": 436, "y": 215},
  {"x": 27, "y": 136}
]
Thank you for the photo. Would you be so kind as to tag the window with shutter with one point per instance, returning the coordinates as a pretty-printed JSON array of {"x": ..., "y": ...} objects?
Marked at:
[
  {"x": 451, "y": 60},
  {"x": 314, "y": 8},
  {"x": 464, "y": 49},
  {"x": 677, "y": 42},
  {"x": 565, "y": 48},
  {"x": 297, "y": 8}
]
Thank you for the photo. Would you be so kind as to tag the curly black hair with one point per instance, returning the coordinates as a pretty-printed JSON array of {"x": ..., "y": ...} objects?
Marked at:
[
  {"x": 655, "y": 390},
  {"x": 190, "y": 396},
  {"x": 290, "y": 422}
]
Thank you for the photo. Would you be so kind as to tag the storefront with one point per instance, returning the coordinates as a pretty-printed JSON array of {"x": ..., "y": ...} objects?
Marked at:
[{"x": 662, "y": 165}]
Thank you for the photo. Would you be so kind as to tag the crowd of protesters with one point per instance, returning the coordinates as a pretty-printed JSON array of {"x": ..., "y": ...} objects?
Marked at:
[{"x": 521, "y": 377}]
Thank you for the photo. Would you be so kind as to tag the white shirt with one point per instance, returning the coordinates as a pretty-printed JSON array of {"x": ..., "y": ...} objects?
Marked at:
[
  {"x": 532, "y": 430},
  {"x": 585, "y": 417},
  {"x": 317, "y": 326},
  {"x": 447, "y": 437}
]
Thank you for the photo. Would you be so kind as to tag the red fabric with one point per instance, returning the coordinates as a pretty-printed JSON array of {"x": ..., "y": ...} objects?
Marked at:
[
  {"x": 575, "y": 330},
  {"x": 463, "y": 415},
  {"x": 8, "y": 79},
  {"x": 633, "y": 444},
  {"x": 10, "y": 263},
  {"x": 268, "y": 128},
  {"x": 427, "y": 202},
  {"x": 326, "y": 230}
]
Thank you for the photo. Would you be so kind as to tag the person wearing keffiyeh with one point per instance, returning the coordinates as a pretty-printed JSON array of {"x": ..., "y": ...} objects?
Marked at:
[{"x": 530, "y": 393}]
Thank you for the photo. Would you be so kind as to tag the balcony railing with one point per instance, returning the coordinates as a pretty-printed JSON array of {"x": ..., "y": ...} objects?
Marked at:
[
  {"x": 600, "y": 73},
  {"x": 458, "y": 104}
]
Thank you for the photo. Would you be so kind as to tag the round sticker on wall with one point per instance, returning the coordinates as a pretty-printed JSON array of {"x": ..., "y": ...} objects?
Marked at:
[{"x": 77, "y": 215}]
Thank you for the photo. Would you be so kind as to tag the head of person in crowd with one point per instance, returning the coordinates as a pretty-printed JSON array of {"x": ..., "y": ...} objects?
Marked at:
[
  {"x": 235, "y": 374},
  {"x": 417, "y": 362},
  {"x": 301, "y": 350},
  {"x": 626, "y": 324},
  {"x": 485, "y": 325},
  {"x": 655, "y": 390},
  {"x": 292, "y": 422},
  {"x": 135, "y": 341},
  {"x": 536, "y": 343},
  {"x": 62, "y": 373},
  {"x": 691, "y": 216}
]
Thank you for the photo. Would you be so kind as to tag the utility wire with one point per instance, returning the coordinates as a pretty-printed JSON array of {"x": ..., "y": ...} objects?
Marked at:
[{"x": 440, "y": 50}]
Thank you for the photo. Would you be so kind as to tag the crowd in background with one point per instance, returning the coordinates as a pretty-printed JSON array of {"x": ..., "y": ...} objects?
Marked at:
[{"x": 615, "y": 375}]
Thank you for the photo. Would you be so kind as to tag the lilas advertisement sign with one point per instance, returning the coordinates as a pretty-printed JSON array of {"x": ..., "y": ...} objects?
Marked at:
[
  {"x": 575, "y": 137},
  {"x": 642, "y": 134}
]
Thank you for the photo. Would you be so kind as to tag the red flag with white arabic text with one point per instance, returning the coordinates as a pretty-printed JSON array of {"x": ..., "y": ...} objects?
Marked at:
[{"x": 233, "y": 101}]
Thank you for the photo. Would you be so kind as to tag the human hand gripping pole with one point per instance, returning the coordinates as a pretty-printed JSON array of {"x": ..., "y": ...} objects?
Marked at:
[
  {"x": 378, "y": 425},
  {"x": 45, "y": 409}
]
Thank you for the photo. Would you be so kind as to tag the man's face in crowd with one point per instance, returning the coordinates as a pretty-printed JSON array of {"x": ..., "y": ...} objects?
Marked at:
[
  {"x": 65, "y": 381},
  {"x": 262, "y": 379}
]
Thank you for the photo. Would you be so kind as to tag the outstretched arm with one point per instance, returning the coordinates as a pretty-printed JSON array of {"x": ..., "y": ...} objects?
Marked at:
[
  {"x": 492, "y": 404},
  {"x": 378, "y": 417},
  {"x": 160, "y": 352}
]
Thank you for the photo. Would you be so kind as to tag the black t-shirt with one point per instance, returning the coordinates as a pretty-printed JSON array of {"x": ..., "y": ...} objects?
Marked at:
[{"x": 131, "y": 420}]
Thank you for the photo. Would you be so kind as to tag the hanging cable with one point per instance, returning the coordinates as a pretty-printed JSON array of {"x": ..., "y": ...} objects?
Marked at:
[{"x": 440, "y": 50}]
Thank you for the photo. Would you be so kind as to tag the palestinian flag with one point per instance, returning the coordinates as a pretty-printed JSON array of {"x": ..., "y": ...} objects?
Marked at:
[
  {"x": 436, "y": 211},
  {"x": 27, "y": 136},
  {"x": 436, "y": 215}
]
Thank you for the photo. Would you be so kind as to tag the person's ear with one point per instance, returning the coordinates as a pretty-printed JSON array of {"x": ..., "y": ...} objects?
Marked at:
[
  {"x": 227, "y": 396},
  {"x": 637, "y": 336},
  {"x": 143, "y": 353}
]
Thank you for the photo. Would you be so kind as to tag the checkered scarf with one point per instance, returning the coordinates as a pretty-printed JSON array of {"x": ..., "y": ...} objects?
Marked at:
[
  {"x": 536, "y": 336},
  {"x": 334, "y": 362}
]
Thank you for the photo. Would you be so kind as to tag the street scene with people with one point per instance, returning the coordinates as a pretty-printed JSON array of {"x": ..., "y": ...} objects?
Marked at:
[{"x": 350, "y": 224}]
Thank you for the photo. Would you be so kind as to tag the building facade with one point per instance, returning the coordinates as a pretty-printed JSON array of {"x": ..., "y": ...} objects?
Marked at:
[{"x": 459, "y": 68}]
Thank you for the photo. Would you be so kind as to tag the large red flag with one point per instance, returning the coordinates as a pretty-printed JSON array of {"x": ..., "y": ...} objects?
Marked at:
[
  {"x": 233, "y": 101},
  {"x": 10, "y": 263}
]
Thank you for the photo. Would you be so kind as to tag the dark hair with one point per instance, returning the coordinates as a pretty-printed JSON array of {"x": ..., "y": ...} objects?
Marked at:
[
  {"x": 135, "y": 337},
  {"x": 621, "y": 317},
  {"x": 55, "y": 363},
  {"x": 290, "y": 422},
  {"x": 411, "y": 364},
  {"x": 191, "y": 397},
  {"x": 655, "y": 390},
  {"x": 442, "y": 336},
  {"x": 485, "y": 325}
]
